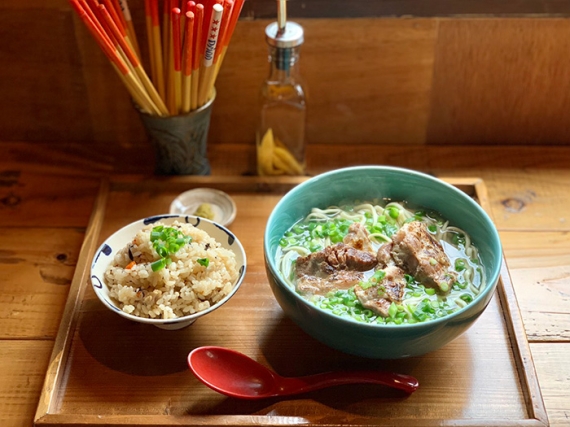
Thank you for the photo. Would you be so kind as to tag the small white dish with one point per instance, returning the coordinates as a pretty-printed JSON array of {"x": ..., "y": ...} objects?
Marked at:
[{"x": 223, "y": 206}]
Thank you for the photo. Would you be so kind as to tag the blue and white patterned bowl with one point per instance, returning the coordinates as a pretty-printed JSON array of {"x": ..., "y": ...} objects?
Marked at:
[{"x": 106, "y": 253}]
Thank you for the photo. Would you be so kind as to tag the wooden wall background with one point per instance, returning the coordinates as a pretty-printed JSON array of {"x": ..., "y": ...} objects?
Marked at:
[{"x": 469, "y": 79}]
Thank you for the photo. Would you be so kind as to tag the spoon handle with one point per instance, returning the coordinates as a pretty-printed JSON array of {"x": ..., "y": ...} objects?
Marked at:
[{"x": 403, "y": 382}]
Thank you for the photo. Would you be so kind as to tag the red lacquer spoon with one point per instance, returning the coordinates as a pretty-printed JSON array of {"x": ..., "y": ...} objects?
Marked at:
[{"x": 234, "y": 374}]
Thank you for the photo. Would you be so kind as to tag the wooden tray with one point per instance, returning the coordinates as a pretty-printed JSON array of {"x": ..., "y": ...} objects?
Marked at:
[{"x": 105, "y": 370}]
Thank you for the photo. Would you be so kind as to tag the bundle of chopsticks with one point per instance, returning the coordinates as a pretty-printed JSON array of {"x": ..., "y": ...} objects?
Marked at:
[{"x": 186, "y": 44}]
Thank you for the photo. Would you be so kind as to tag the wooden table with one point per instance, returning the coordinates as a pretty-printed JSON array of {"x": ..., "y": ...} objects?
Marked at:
[{"x": 47, "y": 194}]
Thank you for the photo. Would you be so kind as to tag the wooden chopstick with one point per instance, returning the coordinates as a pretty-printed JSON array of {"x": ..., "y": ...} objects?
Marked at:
[
  {"x": 185, "y": 52},
  {"x": 207, "y": 68},
  {"x": 132, "y": 58},
  {"x": 118, "y": 64},
  {"x": 177, "y": 60},
  {"x": 128, "y": 22},
  {"x": 198, "y": 23},
  {"x": 187, "y": 62},
  {"x": 236, "y": 11}
]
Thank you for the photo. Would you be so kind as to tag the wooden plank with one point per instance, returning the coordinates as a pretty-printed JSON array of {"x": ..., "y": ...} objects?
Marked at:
[
  {"x": 54, "y": 377},
  {"x": 24, "y": 364},
  {"x": 525, "y": 201},
  {"x": 42, "y": 93},
  {"x": 540, "y": 269},
  {"x": 551, "y": 361},
  {"x": 31, "y": 4},
  {"x": 519, "y": 341},
  {"x": 497, "y": 81},
  {"x": 376, "y": 89},
  {"x": 63, "y": 159},
  {"x": 239, "y": 159},
  {"x": 370, "y": 79},
  {"x": 36, "y": 200},
  {"x": 36, "y": 266},
  {"x": 415, "y": 8}
]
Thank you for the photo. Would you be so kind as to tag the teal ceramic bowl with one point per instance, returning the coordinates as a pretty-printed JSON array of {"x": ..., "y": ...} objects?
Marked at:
[{"x": 381, "y": 341}]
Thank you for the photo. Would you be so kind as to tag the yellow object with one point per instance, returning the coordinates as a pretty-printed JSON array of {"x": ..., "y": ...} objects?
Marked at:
[
  {"x": 205, "y": 211},
  {"x": 273, "y": 158}
]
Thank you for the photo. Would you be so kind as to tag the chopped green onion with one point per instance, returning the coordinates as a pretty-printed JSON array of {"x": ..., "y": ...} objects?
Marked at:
[
  {"x": 379, "y": 275},
  {"x": 393, "y": 310},
  {"x": 203, "y": 261},
  {"x": 158, "y": 265},
  {"x": 458, "y": 239},
  {"x": 166, "y": 241},
  {"x": 459, "y": 264},
  {"x": 420, "y": 315},
  {"x": 161, "y": 251},
  {"x": 173, "y": 247},
  {"x": 461, "y": 285},
  {"x": 315, "y": 247},
  {"x": 394, "y": 212},
  {"x": 297, "y": 229}
]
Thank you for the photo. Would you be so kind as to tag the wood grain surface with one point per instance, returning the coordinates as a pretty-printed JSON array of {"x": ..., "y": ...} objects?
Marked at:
[
  {"x": 380, "y": 78},
  {"x": 65, "y": 181},
  {"x": 130, "y": 359},
  {"x": 480, "y": 96},
  {"x": 551, "y": 364},
  {"x": 475, "y": 61},
  {"x": 24, "y": 364}
]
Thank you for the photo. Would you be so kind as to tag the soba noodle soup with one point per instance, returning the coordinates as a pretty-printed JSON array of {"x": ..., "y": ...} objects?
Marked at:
[{"x": 383, "y": 220}]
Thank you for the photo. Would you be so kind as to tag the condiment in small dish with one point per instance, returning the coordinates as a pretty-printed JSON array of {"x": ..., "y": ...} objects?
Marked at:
[{"x": 208, "y": 203}]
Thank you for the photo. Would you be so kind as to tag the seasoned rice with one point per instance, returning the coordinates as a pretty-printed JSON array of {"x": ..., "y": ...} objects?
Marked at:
[{"x": 181, "y": 288}]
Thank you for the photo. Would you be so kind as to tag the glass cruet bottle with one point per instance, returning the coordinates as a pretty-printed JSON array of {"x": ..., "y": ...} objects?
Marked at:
[{"x": 280, "y": 137}]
